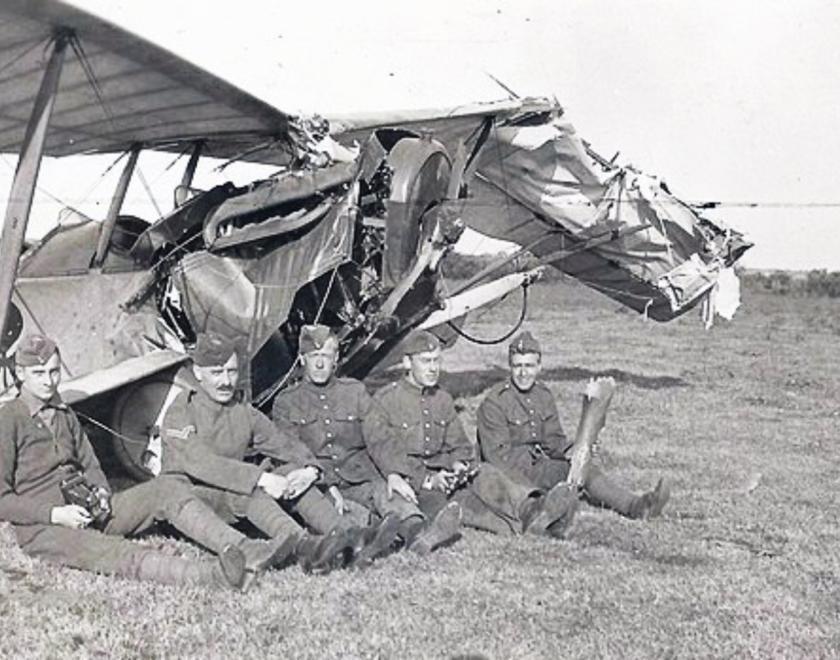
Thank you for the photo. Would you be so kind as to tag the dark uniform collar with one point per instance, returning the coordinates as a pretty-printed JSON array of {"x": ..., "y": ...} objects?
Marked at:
[{"x": 34, "y": 405}]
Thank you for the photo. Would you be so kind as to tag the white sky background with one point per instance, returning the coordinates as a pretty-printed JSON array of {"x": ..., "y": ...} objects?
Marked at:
[{"x": 730, "y": 101}]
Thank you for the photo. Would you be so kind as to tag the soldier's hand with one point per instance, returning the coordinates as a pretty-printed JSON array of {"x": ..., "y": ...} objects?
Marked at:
[
  {"x": 396, "y": 484},
  {"x": 274, "y": 484},
  {"x": 441, "y": 480},
  {"x": 70, "y": 515},
  {"x": 338, "y": 500},
  {"x": 460, "y": 466},
  {"x": 300, "y": 480}
]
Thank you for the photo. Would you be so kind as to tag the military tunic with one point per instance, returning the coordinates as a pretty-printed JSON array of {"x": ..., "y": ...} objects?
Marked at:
[
  {"x": 415, "y": 432},
  {"x": 520, "y": 433},
  {"x": 329, "y": 420},
  {"x": 210, "y": 441},
  {"x": 40, "y": 445}
]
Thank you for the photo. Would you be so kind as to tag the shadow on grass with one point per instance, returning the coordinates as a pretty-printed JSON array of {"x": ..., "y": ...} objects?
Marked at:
[
  {"x": 474, "y": 381},
  {"x": 635, "y": 546}
]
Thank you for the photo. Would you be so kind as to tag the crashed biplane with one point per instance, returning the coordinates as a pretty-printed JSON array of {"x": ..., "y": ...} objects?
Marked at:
[{"x": 350, "y": 231}]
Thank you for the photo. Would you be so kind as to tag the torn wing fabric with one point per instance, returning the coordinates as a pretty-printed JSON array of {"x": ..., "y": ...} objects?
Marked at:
[
  {"x": 540, "y": 186},
  {"x": 251, "y": 297}
]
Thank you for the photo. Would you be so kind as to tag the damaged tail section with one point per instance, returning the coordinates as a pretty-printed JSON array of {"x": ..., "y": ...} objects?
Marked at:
[{"x": 539, "y": 185}]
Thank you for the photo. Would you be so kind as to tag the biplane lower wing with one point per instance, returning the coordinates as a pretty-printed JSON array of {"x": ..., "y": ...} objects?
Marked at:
[
  {"x": 458, "y": 306},
  {"x": 123, "y": 373}
]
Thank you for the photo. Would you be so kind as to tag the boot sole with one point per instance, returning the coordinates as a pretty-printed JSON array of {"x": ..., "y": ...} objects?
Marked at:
[
  {"x": 382, "y": 542},
  {"x": 232, "y": 561},
  {"x": 559, "y": 506},
  {"x": 445, "y": 529}
]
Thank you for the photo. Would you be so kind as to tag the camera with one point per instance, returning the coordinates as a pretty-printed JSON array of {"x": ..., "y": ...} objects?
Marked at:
[{"x": 96, "y": 501}]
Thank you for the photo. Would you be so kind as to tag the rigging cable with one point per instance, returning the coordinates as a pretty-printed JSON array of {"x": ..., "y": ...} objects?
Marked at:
[{"x": 490, "y": 342}]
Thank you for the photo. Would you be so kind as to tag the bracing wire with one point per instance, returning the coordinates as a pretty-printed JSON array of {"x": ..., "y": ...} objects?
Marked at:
[{"x": 490, "y": 342}]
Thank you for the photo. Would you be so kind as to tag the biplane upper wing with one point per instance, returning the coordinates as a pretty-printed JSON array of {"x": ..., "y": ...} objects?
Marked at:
[
  {"x": 117, "y": 89},
  {"x": 450, "y": 125}
]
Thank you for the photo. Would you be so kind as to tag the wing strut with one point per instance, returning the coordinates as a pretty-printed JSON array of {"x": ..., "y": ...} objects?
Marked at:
[
  {"x": 182, "y": 192},
  {"x": 114, "y": 209},
  {"x": 26, "y": 173}
]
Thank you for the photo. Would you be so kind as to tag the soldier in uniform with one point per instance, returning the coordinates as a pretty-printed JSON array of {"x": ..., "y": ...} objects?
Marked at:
[
  {"x": 416, "y": 439},
  {"x": 519, "y": 432},
  {"x": 207, "y": 434},
  {"x": 326, "y": 412},
  {"x": 44, "y": 448}
]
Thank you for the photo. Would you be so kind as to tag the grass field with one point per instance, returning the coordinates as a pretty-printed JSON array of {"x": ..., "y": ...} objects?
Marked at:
[{"x": 745, "y": 561}]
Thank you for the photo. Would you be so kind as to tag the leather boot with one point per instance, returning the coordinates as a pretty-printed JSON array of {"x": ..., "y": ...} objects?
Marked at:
[
  {"x": 410, "y": 528},
  {"x": 443, "y": 529},
  {"x": 262, "y": 555},
  {"x": 227, "y": 571},
  {"x": 376, "y": 541},
  {"x": 650, "y": 504},
  {"x": 601, "y": 490},
  {"x": 554, "y": 512},
  {"x": 199, "y": 522},
  {"x": 322, "y": 554}
]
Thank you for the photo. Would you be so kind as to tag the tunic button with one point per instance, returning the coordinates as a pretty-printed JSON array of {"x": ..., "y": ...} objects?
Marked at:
[
  {"x": 335, "y": 469},
  {"x": 426, "y": 452},
  {"x": 322, "y": 397},
  {"x": 530, "y": 412},
  {"x": 427, "y": 438},
  {"x": 329, "y": 434},
  {"x": 335, "y": 456},
  {"x": 326, "y": 421},
  {"x": 425, "y": 412},
  {"x": 427, "y": 425}
]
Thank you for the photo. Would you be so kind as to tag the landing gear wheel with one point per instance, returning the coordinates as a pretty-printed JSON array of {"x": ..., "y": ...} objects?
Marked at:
[
  {"x": 136, "y": 412},
  {"x": 421, "y": 178}
]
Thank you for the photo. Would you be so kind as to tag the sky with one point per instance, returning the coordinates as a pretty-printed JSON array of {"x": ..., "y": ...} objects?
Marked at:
[{"x": 731, "y": 101}]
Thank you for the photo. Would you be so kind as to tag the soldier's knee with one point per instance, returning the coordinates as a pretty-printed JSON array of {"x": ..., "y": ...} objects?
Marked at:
[{"x": 171, "y": 496}]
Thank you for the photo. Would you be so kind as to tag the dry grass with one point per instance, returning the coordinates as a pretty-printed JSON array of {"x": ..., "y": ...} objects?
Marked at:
[{"x": 745, "y": 561}]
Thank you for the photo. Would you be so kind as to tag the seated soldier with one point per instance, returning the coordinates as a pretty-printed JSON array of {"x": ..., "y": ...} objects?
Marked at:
[
  {"x": 207, "y": 434},
  {"x": 55, "y": 494},
  {"x": 415, "y": 438},
  {"x": 519, "y": 432},
  {"x": 326, "y": 413}
]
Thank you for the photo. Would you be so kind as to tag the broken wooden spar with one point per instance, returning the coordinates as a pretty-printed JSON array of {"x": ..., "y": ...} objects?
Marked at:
[{"x": 596, "y": 400}]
